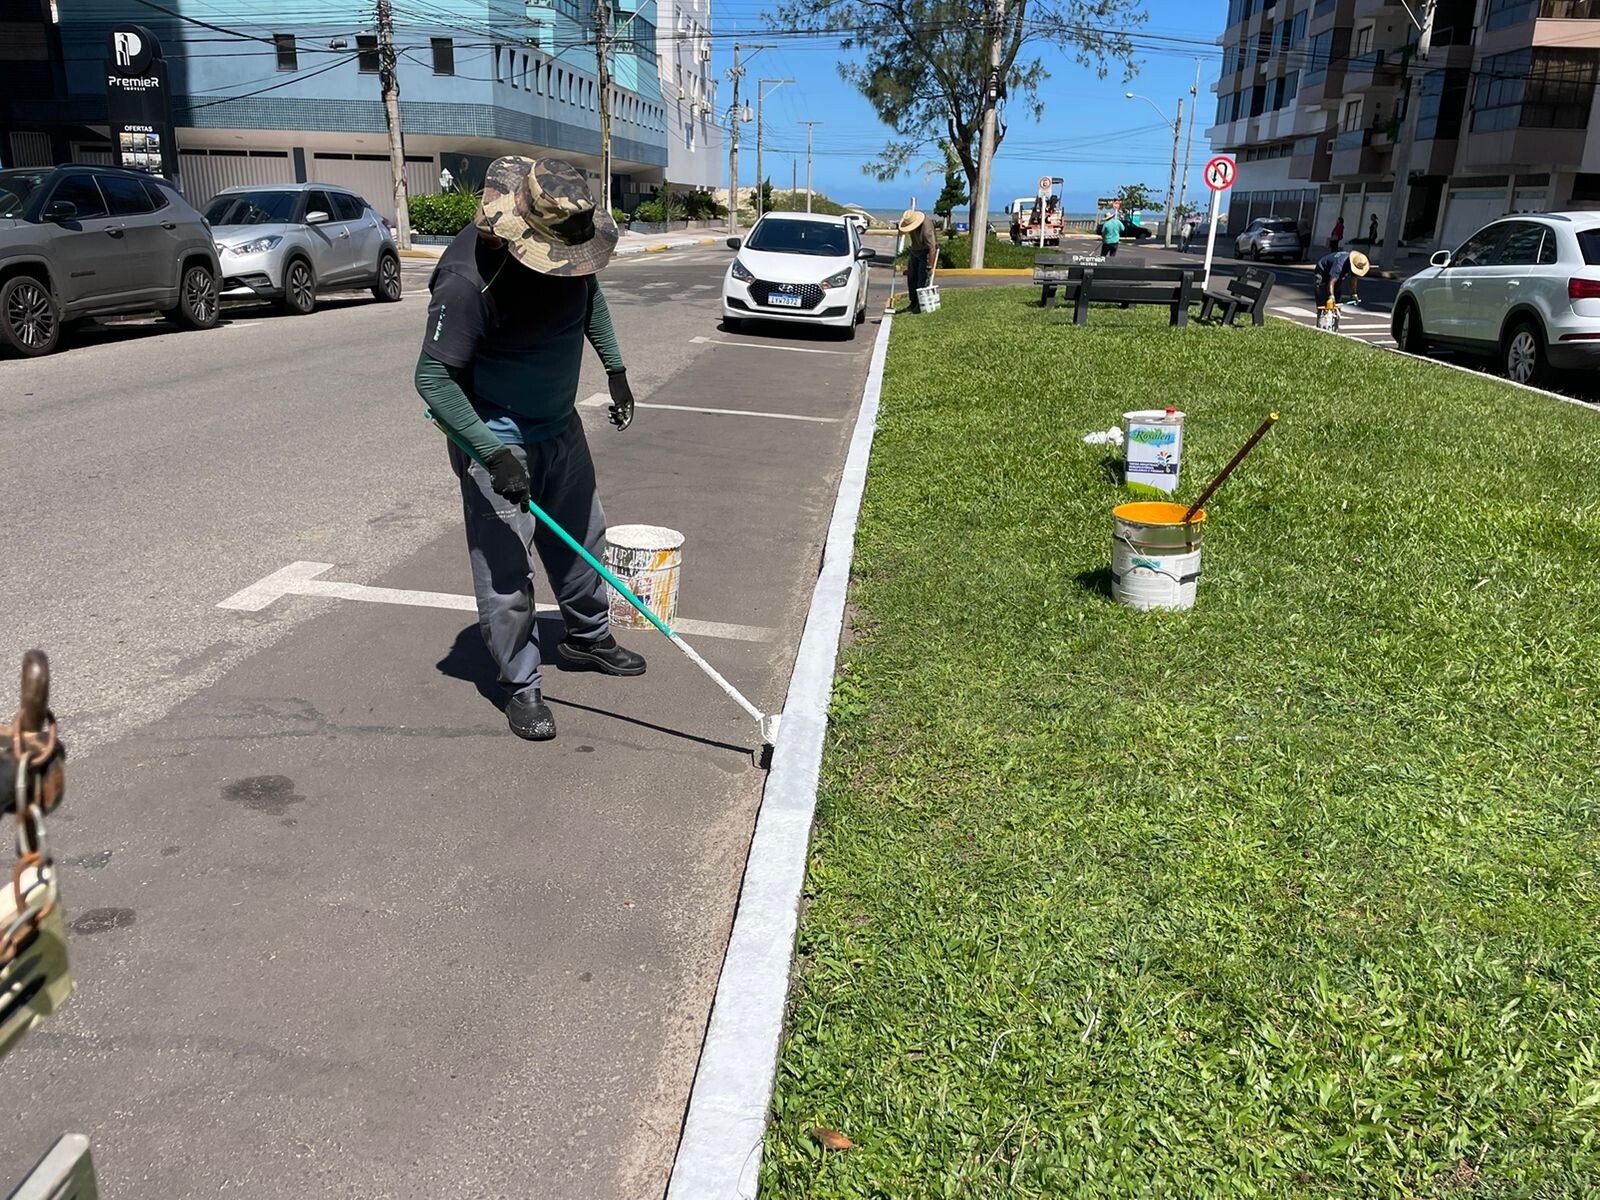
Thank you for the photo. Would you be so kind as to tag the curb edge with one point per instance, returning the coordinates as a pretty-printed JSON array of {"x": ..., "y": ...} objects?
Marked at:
[{"x": 719, "y": 1153}]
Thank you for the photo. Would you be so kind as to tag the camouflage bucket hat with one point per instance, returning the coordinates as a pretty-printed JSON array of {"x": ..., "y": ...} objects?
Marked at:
[{"x": 544, "y": 212}]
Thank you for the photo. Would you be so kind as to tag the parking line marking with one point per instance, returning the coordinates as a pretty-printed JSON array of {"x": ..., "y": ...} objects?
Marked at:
[
  {"x": 600, "y": 399},
  {"x": 300, "y": 579},
  {"x": 706, "y": 341}
]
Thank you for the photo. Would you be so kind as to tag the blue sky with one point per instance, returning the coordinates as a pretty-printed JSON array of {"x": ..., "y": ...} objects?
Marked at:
[{"x": 1091, "y": 135}]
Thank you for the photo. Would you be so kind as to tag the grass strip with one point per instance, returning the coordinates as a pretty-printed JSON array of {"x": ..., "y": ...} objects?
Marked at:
[{"x": 1292, "y": 895}]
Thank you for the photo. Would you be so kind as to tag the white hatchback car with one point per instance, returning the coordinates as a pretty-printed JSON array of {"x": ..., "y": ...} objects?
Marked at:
[
  {"x": 804, "y": 268},
  {"x": 1525, "y": 290}
]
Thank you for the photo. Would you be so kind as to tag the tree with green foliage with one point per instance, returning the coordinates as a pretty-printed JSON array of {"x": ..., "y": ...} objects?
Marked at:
[
  {"x": 1138, "y": 195},
  {"x": 766, "y": 197},
  {"x": 923, "y": 63},
  {"x": 954, "y": 194}
]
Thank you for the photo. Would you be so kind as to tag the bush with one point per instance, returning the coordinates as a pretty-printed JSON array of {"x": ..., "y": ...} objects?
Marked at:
[
  {"x": 444, "y": 215},
  {"x": 620, "y": 217}
]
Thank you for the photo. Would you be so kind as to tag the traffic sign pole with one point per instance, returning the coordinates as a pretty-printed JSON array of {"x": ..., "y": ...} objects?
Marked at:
[{"x": 1218, "y": 175}]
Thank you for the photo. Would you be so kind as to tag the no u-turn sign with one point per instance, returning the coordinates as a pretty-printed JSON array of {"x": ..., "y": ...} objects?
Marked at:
[{"x": 1219, "y": 173}]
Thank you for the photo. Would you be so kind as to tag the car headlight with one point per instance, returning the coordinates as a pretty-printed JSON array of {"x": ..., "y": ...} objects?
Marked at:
[
  {"x": 741, "y": 273},
  {"x": 259, "y": 246},
  {"x": 836, "y": 281}
]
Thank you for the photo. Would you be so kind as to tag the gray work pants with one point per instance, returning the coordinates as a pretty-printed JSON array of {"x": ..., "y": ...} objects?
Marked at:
[{"x": 498, "y": 540}]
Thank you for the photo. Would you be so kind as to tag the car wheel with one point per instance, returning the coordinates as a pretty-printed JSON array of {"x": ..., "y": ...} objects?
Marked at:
[
  {"x": 847, "y": 333},
  {"x": 197, "y": 299},
  {"x": 1407, "y": 329},
  {"x": 1522, "y": 355},
  {"x": 30, "y": 322},
  {"x": 299, "y": 289},
  {"x": 861, "y": 314},
  {"x": 388, "y": 288}
]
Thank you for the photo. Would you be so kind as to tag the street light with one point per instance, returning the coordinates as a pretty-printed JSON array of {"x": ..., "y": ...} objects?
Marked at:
[{"x": 1172, "y": 177}]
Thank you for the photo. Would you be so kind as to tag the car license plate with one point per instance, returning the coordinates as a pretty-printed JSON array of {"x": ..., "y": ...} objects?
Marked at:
[{"x": 783, "y": 300}]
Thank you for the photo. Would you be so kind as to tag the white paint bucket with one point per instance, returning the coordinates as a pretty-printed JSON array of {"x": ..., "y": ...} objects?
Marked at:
[
  {"x": 1155, "y": 555},
  {"x": 928, "y": 299},
  {"x": 647, "y": 558},
  {"x": 1153, "y": 438}
]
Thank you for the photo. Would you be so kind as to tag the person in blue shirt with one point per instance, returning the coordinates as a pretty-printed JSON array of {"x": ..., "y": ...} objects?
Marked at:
[
  {"x": 1110, "y": 235},
  {"x": 1337, "y": 268}
]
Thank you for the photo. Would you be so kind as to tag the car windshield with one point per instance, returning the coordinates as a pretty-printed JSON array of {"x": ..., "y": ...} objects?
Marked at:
[
  {"x": 252, "y": 208},
  {"x": 800, "y": 237},
  {"x": 1589, "y": 243},
  {"x": 16, "y": 187}
]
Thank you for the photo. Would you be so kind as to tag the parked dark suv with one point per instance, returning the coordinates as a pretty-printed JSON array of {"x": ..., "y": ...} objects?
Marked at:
[{"x": 80, "y": 241}]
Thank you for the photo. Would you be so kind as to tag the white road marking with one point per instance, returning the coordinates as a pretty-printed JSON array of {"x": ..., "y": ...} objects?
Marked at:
[
  {"x": 600, "y": 399},
  {"x": 701, "y": 287},
  {"x": 706, "y": 341},
  {"x": 661, "y": 284},
  {"x": 1293, "y": 312},
  {"x": 300, "y": 579}
]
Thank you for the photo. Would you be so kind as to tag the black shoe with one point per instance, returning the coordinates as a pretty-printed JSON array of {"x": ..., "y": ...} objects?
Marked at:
[
  {"x": 604, "y": 655},
  {"x": 530, "y": 717}
]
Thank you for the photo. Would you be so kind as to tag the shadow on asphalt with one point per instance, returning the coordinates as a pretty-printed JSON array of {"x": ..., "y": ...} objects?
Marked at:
[
  {"x": 755, "y": 327},
  {"x": 468, "y": 660}
]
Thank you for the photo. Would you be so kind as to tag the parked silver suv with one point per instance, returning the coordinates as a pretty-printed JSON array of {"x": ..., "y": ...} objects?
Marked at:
[
  {"x": 1525, "y": 289},
  {"x": 1270, "y": 237},
  {"x": 80, "y": 241},
  {"x": 287, "y": 242}
]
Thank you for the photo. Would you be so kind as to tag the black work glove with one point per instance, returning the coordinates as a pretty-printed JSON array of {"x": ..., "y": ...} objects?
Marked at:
[
  {"x": 621, "y": 410},
  {"x": 508, "y": 476}
]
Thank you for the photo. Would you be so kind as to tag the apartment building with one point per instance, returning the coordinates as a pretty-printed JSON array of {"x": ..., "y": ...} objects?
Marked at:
[
  {"x": 282, "y": 91},
  {"x": 689, "y": 89},
  {"x": 1314, "y": 99}
]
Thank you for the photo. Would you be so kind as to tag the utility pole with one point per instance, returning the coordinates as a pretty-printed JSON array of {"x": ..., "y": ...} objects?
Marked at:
[
  {"x": 761, "y": 180},
  {"x": 389, "y": 80},
  {"x": 808, "y": 125},
  {"x": 794, "y": 181},
  {"x": 736, "y": 73},
  {"x": 602, "y": 56},
  {"x": 1394, "y": 227},
  {"x": 993, "y": 89},
  {"x": 1172, "y": 177},
  {"x": 1188, "y": 144}
]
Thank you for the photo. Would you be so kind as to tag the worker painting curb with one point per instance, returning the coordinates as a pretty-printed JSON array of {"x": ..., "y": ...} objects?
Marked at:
[{"x": 719, "y": 1155}]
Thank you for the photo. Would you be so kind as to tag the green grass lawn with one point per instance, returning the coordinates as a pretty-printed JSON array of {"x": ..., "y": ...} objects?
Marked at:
[{"x": 1294, "y": 895}]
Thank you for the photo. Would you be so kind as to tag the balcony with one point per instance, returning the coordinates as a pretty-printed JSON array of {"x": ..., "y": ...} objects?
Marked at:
[
  {"x": 1568, "y": 23},
  {"x": 1520, "y": 148},
  {"x": 1317, "y": 90},
  {"x": 1361, "y": 154},
  {"x": 1372, "y": 70},
  {"x": 1326, "y": 14},
  {"x": 1311, "y": 159},
  {"x": 1377, "y": 8}
]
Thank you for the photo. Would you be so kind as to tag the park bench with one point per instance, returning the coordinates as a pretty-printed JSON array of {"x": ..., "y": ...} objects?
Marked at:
[
  {"x": 1172, "y": 287},
  {"x": 1246, "y": 292}
]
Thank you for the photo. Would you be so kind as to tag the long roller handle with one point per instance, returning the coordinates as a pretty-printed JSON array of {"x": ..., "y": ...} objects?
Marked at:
[
  {"x": 1255, "y": 437},
  {"x": 622, "y": 589}
]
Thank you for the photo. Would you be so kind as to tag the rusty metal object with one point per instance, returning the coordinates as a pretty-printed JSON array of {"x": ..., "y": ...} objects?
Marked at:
[{"x": 31, "y": 737}]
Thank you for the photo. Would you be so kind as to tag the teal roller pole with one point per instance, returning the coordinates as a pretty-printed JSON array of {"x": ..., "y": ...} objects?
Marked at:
[{"x": 767, "y": 722}]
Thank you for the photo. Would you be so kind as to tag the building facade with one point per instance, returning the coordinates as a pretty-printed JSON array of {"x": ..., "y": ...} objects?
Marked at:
[
  {"x": 264, "y": 98},
  {"x": 1315, "y": 96},
  {"x": 683, "y": 46}
]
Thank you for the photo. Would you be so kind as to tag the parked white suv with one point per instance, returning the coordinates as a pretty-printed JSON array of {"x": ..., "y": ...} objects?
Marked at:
[{"x": 1525, "y": 289}]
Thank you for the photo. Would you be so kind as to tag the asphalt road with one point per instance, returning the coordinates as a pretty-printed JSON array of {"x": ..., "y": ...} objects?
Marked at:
[{"x": 335, "y": 932}]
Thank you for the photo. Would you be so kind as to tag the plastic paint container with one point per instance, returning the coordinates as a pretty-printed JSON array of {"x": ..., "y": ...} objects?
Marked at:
[
  {"x": 1153, "y": 444},
  {"x": 648, "y": 559},
  {"x": 1155, "y": 554}
]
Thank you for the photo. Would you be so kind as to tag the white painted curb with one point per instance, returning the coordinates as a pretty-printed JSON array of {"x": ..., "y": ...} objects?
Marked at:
[{"x": 719, "y": 1156}]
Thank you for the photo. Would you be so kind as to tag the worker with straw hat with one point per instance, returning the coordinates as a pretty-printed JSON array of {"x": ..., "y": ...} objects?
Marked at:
[
  {"x": 514, "y": 299},
  {"x": 1337, "y": 268},
  {"x": 924, "y": 251}
]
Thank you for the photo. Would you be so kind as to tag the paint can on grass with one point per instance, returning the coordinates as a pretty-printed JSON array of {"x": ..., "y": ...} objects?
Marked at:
[
  {"x": 1155, "y": 554},
  {"x": 647, "y": 558},
  {"x": 1153, "y": 438}
]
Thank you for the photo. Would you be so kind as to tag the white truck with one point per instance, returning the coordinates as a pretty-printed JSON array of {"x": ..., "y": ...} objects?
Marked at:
[{"x": 1025, "y": 221}]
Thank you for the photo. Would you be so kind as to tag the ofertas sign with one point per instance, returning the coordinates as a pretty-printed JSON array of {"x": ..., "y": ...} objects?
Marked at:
[{"x": 138, "y": 103}]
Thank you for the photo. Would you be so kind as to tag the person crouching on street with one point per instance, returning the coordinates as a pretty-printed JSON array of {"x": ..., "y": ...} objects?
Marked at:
[
  {"x": 923, "y": 252},
  {"x": 1336, "y": 269},
  {"x": 514, "y": 298}
]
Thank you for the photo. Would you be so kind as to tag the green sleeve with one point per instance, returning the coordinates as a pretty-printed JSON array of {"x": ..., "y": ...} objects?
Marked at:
[
  {"x": 440, "y": 389},
  {"x": 601, "y": 335}
]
